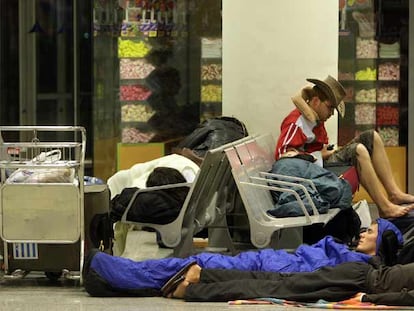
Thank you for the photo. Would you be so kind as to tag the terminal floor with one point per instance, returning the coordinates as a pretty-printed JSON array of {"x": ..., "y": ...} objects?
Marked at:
[{"x": 37, "y": 293}]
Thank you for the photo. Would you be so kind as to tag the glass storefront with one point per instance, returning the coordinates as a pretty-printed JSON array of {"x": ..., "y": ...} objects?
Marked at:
[
  {"x": 373, "y": 67},
  {"x": 45, "y": 56},
  {"x": 157, "y": 74},
  {"x": 134, "y": 73}
]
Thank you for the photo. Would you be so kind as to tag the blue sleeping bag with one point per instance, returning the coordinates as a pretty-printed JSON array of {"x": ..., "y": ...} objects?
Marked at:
[{"x": 125, "y": 274}]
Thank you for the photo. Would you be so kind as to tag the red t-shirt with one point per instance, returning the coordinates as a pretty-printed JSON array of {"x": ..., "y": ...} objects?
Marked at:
[{"x": 297, "y": 132}]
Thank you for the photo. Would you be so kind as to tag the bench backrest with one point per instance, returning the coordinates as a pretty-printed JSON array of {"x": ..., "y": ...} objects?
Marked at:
[
  {"x": 199, "y": 207},
  {"x": 255, "y": 200}
]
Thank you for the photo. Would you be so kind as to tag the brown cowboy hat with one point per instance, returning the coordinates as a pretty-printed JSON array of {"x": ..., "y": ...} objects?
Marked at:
[{"x": 334, "y": 90}]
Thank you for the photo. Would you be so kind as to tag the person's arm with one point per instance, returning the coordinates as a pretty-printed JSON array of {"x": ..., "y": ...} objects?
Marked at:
[
  {"x": 291, "y": 138},
  {"x": 403, "y": 298}
]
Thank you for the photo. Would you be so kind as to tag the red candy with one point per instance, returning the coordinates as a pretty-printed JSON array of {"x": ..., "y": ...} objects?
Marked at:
[{"x": 133, "y": 92}]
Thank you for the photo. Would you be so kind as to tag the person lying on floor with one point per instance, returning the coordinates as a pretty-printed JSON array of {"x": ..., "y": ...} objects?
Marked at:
[
  {"x": 105, "y": 275},
  {"x": 380, "y": 284},
  {"x": 366, "y": 282}
]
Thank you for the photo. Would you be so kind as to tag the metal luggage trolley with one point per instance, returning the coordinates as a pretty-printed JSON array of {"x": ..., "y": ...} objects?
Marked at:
[{"x": 42, "y": 200}]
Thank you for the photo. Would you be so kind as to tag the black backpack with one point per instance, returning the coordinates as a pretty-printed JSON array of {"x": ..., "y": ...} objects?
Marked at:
[
  {"x": 406, "y": 253},
  {"x": 391, "y": 252},
  {"x": 101, "y": 233},
  {"x": 344, "y": 227}
]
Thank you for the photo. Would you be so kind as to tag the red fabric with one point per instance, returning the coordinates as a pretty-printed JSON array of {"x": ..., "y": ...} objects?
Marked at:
[
  {"x": 296, "y": 132},
  {"x": 351, "y": 175}
]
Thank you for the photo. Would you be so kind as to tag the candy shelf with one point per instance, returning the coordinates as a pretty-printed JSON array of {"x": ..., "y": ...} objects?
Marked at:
[
  {"x": 168, "y": 80},
  {"x": 211, "y": 78},
  {"x": 135, "y": 112},
  {"x": 133, "y": 93},
  {"x": 371, "y": 68}
]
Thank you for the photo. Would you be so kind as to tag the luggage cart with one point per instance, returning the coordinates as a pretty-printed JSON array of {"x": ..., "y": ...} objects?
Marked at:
[{"x": 42, "y": 200}]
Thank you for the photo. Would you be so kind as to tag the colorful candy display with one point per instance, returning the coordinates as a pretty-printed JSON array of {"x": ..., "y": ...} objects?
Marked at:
[
  {"x": 133, "y": 92},
  {"x": 134, "y": 68},
  {"x": 388, "y": 115},
  {"x": 136, "y": 113},
  {"x": 365, "y": 114},
  {"x": 366, "y": 95},
  {"x": 389, "y": 135},
  {"x": 366, "y": 48},
  {"x": 132, "y": 135},
  {"x": 369, "y": 74},
  {"x": 389, "y": 71},
  {"x": 387, "y": 94},
  {"x": 211, "y": 93},
  {"x": 211, "y": 72},
  {"x": 131, "y": 48}
]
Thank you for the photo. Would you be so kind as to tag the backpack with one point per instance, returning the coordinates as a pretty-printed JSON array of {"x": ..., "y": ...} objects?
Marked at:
[
  {"x": 101, "y": 233},
  {"x": 344, "y": 227},
  {"x": 391, "y": 252},
  {"x": 406, "y": 253}
]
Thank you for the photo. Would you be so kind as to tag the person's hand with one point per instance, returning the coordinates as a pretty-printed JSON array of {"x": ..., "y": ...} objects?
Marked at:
[
  {"x": 290, "y": 153},
  {"x": 327, "y": 151},
  {"x": 356, "y": 299}
]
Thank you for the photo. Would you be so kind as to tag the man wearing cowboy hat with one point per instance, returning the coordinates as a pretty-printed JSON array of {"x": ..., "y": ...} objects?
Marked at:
[{"x": 303, "y": 132}]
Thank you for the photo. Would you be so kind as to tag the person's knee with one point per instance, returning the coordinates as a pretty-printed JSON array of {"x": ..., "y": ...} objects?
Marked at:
[
  {"x": 377, "y": 138},
  {"x": 362, "y": 152}
]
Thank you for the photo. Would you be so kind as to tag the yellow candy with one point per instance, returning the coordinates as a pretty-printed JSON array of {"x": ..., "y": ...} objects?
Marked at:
[{"x": 129, "y": 48}]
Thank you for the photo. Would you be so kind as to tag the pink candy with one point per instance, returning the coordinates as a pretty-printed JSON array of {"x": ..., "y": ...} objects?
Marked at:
[
  {"x": 133, "y": 135},
  {"x": 134, "y": 68},
  {"x": 389, "y": 71}
]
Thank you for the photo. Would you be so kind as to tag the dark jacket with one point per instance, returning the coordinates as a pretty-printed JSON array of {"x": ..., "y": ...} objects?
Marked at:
[{"x": 157, "y": 207}]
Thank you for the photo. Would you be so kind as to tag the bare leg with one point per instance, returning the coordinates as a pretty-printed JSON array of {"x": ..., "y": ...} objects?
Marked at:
[
  {"x": 371, "y": 182},
  {"x": 382, "y": 167}
]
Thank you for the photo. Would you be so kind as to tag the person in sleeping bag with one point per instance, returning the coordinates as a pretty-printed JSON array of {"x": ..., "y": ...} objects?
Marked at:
[
  {"x": 354, "y": 282},
  {"x": 108, "y": 276}
]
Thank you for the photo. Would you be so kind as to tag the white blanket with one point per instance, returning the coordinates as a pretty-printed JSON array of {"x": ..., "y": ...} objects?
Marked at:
[{"x": 137, "y": 175}]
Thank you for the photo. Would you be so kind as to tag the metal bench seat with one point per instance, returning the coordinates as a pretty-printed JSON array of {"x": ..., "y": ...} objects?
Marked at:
[{"x": 251, "y": 162}]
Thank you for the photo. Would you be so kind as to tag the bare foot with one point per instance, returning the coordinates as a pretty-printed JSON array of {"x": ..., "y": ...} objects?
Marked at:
[
  {"x": 179, "y": 292},
  {"x": 394, "y": 211},
  {"x": 192, "y": 276},
  {"x": 402, "y": 198}
]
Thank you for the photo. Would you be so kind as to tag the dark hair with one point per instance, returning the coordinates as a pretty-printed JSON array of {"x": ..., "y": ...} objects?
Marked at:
[
  {"x": 165, "y": 176},
  {"x": 320, "y": 93}
]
